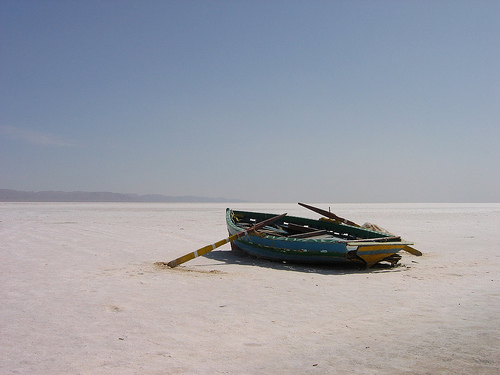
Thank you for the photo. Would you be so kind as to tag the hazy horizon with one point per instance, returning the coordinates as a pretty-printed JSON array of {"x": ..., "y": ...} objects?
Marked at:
[
  {"x": 200, "y": 199},
  {"x": 280, "y": 101}
]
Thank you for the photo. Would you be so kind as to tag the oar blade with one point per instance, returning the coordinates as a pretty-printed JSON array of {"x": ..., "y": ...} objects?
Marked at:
[
  {"x": 202, "y": 251},
  {"x": 206, "y": 249},
  {"x": 413, "y": 251}
]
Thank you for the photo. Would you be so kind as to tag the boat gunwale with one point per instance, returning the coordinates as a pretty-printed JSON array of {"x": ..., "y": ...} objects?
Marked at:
[{"x": 230, "y": 221}]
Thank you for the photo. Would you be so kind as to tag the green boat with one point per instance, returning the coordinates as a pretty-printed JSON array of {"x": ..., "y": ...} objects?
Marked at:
[{"x": 330, "y": 240}]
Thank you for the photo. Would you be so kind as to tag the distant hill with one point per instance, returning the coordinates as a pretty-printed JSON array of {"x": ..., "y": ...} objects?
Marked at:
[{"x": 7, "y": 195}]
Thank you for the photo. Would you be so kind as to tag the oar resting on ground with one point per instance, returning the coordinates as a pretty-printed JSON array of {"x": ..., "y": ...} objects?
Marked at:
[
  {"x": 339, "y": 219},
  {"x": 206, "y": 249}
]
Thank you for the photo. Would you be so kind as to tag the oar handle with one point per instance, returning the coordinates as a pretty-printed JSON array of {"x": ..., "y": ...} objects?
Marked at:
[
  {"x": 329, "y": 214},
  {"x": 206, "y": 249}
]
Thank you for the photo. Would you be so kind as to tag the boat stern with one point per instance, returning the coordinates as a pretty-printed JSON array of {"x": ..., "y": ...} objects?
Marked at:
[{"x": 372, "y": 253}]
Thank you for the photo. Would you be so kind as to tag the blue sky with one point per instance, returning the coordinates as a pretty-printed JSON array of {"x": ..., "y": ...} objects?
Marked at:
[{"x": 273, "y": 101}]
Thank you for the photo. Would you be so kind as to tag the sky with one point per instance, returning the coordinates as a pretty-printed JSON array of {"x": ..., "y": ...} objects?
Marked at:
[{"x": 265, "y": 101}]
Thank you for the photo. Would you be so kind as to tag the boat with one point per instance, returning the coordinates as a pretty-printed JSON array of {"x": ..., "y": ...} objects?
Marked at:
[{"x": 329, "y": 240}]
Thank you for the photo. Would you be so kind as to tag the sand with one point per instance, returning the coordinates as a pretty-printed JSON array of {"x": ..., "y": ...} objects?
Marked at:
[{"x": 80, "y": 294}]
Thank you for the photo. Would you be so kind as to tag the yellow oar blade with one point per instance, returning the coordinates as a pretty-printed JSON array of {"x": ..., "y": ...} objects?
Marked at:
[
  {"x": 413, "y": 251},
  {"x": 206, "y": 249}
]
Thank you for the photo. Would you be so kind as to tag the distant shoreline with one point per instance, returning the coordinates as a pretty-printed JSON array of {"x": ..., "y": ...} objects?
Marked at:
[{"x": 9, "y": 195}]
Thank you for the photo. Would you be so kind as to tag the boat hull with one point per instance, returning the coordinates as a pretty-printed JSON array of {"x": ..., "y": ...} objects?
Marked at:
[{"x": 325, "y": 250}]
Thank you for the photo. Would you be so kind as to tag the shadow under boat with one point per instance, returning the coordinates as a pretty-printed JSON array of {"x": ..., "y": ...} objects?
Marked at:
[{"x": 240, "y": 257}]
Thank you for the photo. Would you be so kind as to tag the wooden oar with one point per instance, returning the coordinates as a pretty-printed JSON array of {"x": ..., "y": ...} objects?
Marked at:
[
  {"x": 331, "y": 215},
  {"x": 206, "y": 249},
  {"x": 412, "y": 250}
]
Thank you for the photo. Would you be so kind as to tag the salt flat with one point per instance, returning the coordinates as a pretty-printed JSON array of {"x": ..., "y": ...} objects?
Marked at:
[{"x": 80, "y": 294}]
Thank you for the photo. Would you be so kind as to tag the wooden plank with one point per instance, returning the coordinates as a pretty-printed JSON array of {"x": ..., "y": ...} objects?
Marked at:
[
  {"x": 309, "y": 234},
  {"x": 379, "y": 239},
  {"x": 300, "y": 228}
]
